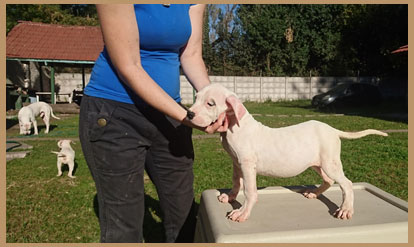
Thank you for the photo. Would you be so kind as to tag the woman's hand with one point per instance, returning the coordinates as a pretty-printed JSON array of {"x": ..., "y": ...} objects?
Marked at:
[{"x": 220, "y": 125}]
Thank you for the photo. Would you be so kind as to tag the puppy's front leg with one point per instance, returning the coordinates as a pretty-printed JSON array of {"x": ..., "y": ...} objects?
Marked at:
[
  {"x": 250, "y": 192},
  {"x": 35, "y": 126},
  {"x": 237, "y": 184},
  {"x": 21, "y": 125}
]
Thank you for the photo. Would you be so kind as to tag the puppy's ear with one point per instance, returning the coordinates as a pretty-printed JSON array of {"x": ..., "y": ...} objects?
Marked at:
[
  {"x": 60, "y": 143},
  {"x": 236, "y": 107}
]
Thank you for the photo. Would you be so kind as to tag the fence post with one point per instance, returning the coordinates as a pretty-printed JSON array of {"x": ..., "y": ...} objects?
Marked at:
[
  {"x": 52, "y": 85},
  {"x": 261, "y": 85},
  {"x": 310, "y": 84},
  {"x": 83, "y": 77},
  {"x": 234, "y": 84}
]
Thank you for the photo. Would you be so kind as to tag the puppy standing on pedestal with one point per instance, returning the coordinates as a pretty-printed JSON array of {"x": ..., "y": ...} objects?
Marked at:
[
  {"x": 278, "y": 152},
  {"x": 66, "y": 155}
]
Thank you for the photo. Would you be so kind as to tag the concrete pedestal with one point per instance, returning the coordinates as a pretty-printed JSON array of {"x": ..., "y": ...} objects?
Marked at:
[{"x": 284, "y": 215}]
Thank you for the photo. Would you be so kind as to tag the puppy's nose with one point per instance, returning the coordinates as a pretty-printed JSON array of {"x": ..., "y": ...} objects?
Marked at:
[{"x": 190, "y": 115}]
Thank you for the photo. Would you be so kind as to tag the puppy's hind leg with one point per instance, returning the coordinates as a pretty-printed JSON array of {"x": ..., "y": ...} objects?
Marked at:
[
  {"x": 71, "y": 166},
  {"x": 59, "y": 167},
  {"x": 327, "y": 182},
  {"x": 46, "y": 120},
  {"x": 334, "y": 171}
]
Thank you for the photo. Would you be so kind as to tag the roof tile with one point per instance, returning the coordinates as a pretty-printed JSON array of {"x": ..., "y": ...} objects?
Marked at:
[{"x": 34, "y": 40}]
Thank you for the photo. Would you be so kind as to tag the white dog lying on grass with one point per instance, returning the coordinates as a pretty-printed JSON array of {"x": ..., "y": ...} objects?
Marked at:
[
  {"x": 27, "y": 115},
  {"x": 66, "y": 155}
]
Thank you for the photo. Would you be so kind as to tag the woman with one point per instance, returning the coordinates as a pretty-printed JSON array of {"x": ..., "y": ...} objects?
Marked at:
[{"x": 131, "y": 118}]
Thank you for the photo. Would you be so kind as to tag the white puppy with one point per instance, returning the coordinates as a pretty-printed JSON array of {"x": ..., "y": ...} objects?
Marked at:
[
  {"x": 27, "y": 115},
  {"x": 279, "y": 152},
  {"x": 66, "y": 155}
]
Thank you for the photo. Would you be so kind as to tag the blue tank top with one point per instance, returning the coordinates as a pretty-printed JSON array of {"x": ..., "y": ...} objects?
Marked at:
[{"x": 163, "y": 31}]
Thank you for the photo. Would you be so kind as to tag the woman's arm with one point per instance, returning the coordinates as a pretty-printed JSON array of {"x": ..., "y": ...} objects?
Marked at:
[
  {"x": 192, "y": 62},
  {"x": 191, "y": 56},
  {"x": 121, "y": 37}
]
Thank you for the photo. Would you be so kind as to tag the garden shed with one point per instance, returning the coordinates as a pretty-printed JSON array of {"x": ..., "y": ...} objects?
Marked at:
[{"x": 51, "y": 45}]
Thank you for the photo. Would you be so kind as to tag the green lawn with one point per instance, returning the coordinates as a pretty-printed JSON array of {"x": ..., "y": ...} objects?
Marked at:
[{"x": 44, "y": 208}]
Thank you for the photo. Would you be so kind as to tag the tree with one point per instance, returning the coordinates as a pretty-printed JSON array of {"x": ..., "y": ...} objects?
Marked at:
[
  {"x": 291, "y": 39},
  {"x": 208, "y": 54},
  {"x": 369, "y": 34},
  {"x": 276, "y": 39},
  {"x": 222, "y": 31},
  {"x": 84, "y": 15}
]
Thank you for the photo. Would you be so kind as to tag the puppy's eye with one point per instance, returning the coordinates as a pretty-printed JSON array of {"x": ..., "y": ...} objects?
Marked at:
[{"x": 212, "y": 103}]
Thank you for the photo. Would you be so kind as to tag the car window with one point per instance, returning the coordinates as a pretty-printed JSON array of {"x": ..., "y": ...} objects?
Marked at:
[{"x": 339, "y": 89}]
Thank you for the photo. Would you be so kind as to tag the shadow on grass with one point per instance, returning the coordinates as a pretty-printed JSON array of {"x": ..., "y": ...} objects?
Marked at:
[
  {"x": 390, "y": 110},
  {"x": 395, "y": 109},
  {"x": 11, "y": 122},
  {"x": 153, "y": 229},
  {"x": 41, "y": 128},
  {"x": 65, "y": 169}
]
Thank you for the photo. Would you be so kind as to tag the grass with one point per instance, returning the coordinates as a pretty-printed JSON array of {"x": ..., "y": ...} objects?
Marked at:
[
  {"x": 44, "y": 208},
  {"x": 66, "y": 127}
]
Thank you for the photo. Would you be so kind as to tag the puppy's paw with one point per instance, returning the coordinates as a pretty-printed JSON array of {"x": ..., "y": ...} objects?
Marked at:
[
  {"x": 223, "y": 198},
  {"x": 59, "y": 174},
  {"x": 310, "y": 194},
  {"x": 238, "y": 215},
  {"x": 71, "y": 176},
  {"x": 344, "y": 213}
]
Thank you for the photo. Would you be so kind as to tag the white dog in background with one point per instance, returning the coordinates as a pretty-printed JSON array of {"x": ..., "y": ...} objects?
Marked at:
[
  {"x": 27, "y": 115},
  {"x": 66, "y": 155},
  {"x": 279, "y": 152}
]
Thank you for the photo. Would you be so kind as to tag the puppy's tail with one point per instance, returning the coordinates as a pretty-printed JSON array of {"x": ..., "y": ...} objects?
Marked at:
[
  {"x": 51, "y": 113},
  {"x": 356, "y": 135},
  {"x": 59, "y": 154}
]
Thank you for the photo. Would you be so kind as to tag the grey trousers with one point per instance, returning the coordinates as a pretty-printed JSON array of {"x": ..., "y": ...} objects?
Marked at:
[{"x": 119, "y": 141}]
